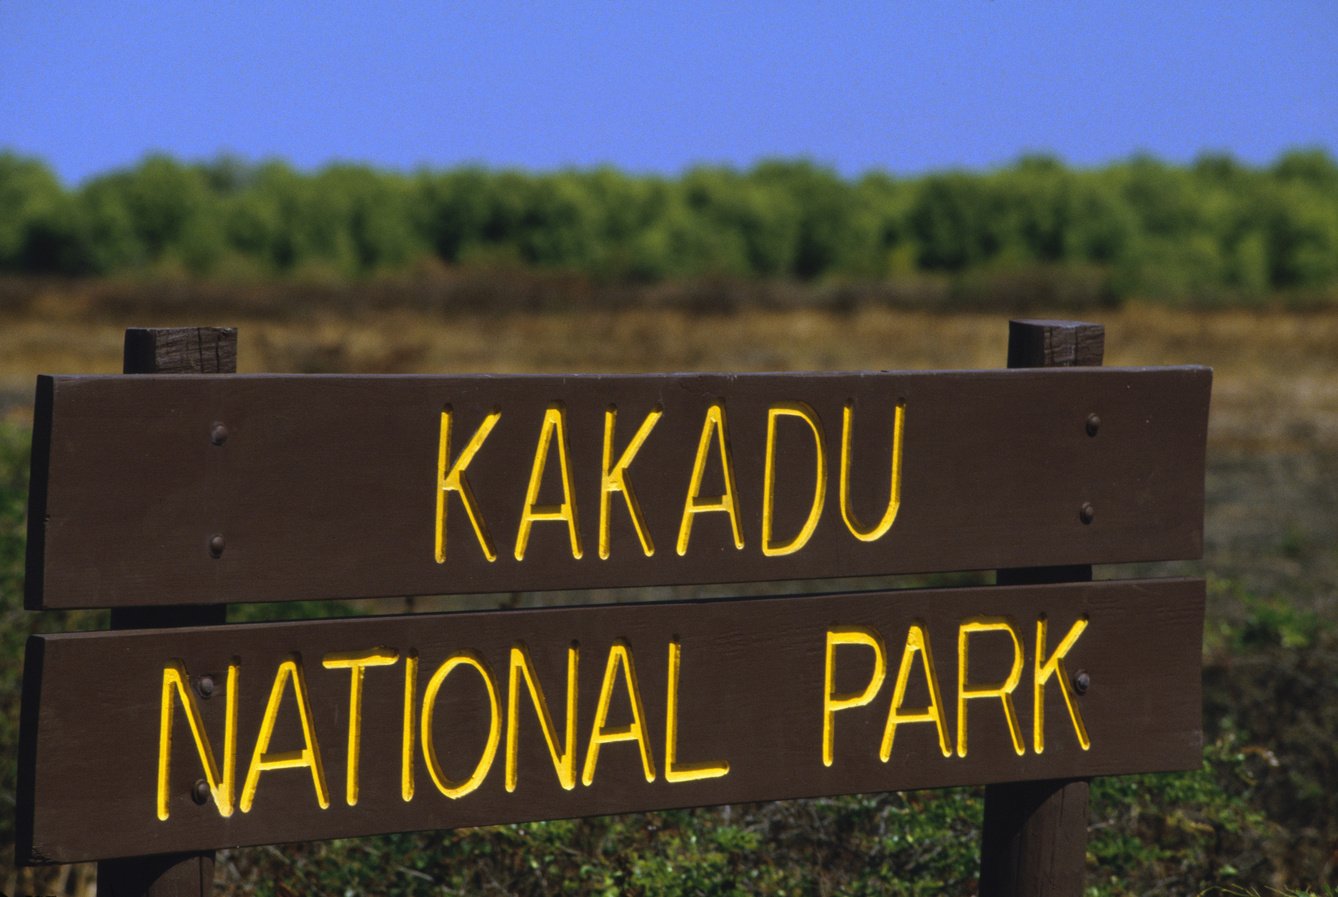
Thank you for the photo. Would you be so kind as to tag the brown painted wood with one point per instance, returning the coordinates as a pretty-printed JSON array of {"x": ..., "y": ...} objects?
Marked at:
[
  {"x": 751, "y": 693},
  {"x": 169, "y": 350},
  {"x": 1034, "y": 838},
  {"x": 1034, "y": 834},
  {"x": 159, "y": 876},
  {"x": 326, "y": 486}
]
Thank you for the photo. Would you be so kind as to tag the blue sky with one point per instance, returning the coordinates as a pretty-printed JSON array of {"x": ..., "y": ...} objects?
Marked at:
[{"x": 656, "y": 87}]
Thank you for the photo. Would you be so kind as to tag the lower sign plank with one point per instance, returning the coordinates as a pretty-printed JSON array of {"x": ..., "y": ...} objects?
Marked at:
[{"x": 161, "y": 741}]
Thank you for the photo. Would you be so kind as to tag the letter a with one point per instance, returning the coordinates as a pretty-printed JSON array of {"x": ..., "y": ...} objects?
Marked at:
[
  {"x": 554, "y": 431},
  {"x": 713, "y": 426},
  {"x": 309, "y": 757},
  {"x": 917, "y": 645}
]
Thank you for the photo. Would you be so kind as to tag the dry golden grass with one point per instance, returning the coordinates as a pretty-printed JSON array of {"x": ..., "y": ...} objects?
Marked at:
[{"x": 1276, "y": 383}]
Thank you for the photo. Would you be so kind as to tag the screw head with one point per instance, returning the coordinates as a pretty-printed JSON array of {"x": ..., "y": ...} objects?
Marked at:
[
  {"x": 217, "y": 544},
  {"x": 1081, "y": 682},
  {"x": 218, "y": 434},
  {"x": 205, "y": 686},
  {"x": 200, "y": 792},
  {"x": 1093, "y": 424},
  {"x": 1087, "y": 513}
]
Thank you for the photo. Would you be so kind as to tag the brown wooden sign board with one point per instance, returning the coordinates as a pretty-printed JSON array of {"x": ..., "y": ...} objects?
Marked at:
[
  {"x": 157, "y": 490},
  {"x": 538, "y": 714}
]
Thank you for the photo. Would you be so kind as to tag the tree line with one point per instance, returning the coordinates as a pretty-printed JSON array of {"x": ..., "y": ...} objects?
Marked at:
[{"x": 1217, "y": 228}]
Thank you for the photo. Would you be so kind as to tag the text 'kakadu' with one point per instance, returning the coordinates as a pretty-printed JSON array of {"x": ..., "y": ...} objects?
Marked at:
[{"x": 709, "y": 459}]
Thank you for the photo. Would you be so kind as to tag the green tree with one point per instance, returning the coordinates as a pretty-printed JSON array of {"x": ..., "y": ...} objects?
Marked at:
[
  {"x": 821, "y": 205},
  {"x": 37, "y": 226},
  {"x": 948, "y": 220},
  {"x": 365, "y": 217},
  {"x": 1301, "y": 234}
]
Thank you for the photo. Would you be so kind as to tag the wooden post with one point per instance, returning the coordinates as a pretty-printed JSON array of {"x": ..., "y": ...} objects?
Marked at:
[
  {"x": 1034, "y": 837},
  {"x": 174, "y": 350}
]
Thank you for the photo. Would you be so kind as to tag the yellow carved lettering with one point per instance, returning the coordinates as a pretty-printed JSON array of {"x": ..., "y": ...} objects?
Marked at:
[
  {"x": 222, "y": 783},
  {"x": 453, "y": 789},
  {"x": 555, "y": 424},
  {"x": 673, "y": 770},
  {"x": 453, "y": 479},
  {"x": 713, "y": 427},
  {"x": 832, "y": 701},
  {"x": 917, "y": 645},
  {"x": 614, "y": 479},
  {"x": 309, "y": 757},
  {"x": 620, "y": 658},
  {"x": 847, "y": 461},
  {"x": 1003, "y": 691},
  {"x": 564, "y": 758},
  {"x": 1051, "y": 666},
  {"x": 356, "y": 663},
  {"x": 407, "y": 739},
  {"x": 810, "y": 417}
]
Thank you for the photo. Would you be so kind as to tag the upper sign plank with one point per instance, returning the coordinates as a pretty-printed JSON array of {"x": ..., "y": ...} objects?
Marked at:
[{"x": 271, "y": 488}]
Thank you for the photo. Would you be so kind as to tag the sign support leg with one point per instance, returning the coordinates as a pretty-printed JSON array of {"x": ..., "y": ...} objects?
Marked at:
[
  {"x": 1034, "y": 836},
  {"x": 169, "y": 350},
  {"x": 166, "y": 875}
]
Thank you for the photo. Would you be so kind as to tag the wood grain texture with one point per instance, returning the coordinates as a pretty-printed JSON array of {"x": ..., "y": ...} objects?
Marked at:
[
  {"x": 326, "y": 486},
  {"x": 751, "y": 693},
  {"x": 180, "y": 350},
  {"x": 1034, "y": 838},
  {"x": 1048, "y": 344},
  {"x": 1034, "y": 834},
  {"x": 174, "y": 350}
]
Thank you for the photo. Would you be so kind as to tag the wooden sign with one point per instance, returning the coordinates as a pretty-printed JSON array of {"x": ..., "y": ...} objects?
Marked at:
[
  {"x": 155, "y": 490},
  {"x": 140, "y": 742}
]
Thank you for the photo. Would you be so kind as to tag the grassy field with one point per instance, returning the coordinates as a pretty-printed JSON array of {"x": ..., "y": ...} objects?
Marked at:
[{"x": 1264, "y": 812}]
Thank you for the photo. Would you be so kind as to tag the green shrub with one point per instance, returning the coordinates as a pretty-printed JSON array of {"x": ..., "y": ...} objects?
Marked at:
[{"x": 1209, "y": 234}]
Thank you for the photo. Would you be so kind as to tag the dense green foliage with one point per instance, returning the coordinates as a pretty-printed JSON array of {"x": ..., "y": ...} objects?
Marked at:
[{"x": 1216, "y": 231}]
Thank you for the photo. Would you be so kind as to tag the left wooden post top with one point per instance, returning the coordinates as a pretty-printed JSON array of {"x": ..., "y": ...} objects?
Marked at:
[{"x": 180, "y": 350}]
